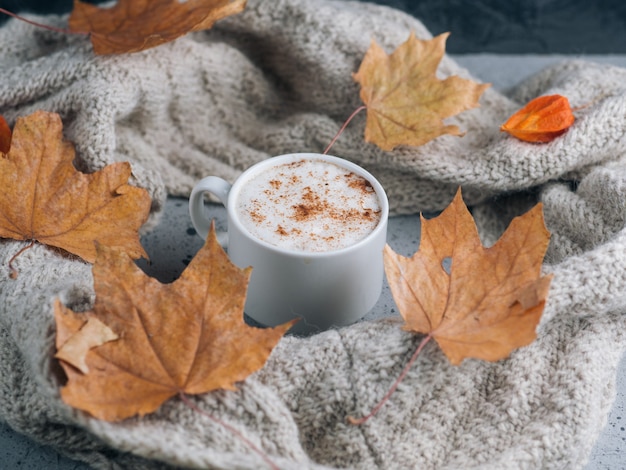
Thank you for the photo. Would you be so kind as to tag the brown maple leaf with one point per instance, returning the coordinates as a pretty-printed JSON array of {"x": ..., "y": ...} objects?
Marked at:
[
  {"x": 5, "y": 136},
  {"x": 187, "y": 337},
  {"x": 77, "y": 336},
  {"x": 136, "y": 25},
  {"x": 46, "y": 199},
  {"x": 405, "y": 101},
  {"x": 542, "y": 120},
  {"x": 491, "y": 300}
]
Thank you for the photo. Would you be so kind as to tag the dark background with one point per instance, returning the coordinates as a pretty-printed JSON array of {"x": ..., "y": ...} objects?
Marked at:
[{"x": 500, "y": 26}]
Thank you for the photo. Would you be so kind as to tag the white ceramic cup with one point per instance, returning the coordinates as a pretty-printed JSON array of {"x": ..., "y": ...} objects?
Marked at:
[{"x": 324, "y": 289}]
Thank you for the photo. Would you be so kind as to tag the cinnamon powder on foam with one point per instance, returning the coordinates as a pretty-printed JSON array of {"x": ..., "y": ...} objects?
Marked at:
[{"x": 309, "y": 205}]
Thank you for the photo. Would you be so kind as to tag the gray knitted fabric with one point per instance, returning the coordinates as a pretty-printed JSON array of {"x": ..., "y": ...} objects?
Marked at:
[{"x": 277, "y": 79}]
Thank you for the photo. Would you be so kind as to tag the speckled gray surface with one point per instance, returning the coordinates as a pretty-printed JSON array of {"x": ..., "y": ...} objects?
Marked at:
[{"x": 174, "y": 242}]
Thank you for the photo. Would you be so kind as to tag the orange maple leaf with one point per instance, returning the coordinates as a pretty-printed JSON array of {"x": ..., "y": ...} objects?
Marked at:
[
  {"x": 5, "y": 136},
  {"x": 136, "y": 25},
  {"x": 46, "y": 199},
  {"x": 491, "y": 300},
  {"x": 405, "y": 101},
  {"x": 77, "y": 337},
  {"x": 542, "y": 120},
  {"x": 187, "y": 337}
]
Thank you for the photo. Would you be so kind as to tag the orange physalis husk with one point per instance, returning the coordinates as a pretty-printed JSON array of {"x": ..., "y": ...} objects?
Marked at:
[
  {"x": 541, "y": 120},
  {"x": 5, "y": 136}
]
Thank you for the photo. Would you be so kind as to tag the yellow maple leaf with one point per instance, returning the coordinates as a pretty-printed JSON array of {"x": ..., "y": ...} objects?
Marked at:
[{"x": 405, "y": 101}]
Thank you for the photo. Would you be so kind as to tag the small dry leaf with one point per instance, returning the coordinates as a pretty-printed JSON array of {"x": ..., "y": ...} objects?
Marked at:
[
  {"x": 491, "y": 300},
  {"x": 541, "y": 120},
  {"x": 89, "y": 334},
  {"x": 405, "y": 100},
  {"x": 5, "y": 136},
  {"x": 46, "y": 199},
  {"x": 185, "y": 337},
  {"x": 136, "y": 25}
]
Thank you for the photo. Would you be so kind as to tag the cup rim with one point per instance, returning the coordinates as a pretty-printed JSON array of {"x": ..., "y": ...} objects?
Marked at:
[{"x": 255, "y": 169}]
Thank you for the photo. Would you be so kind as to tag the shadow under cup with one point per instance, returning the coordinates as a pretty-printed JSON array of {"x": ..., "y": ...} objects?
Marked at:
[{"x": 323, "y": 288}]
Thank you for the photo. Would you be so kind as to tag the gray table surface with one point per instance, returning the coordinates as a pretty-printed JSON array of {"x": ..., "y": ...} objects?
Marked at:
[{"x": 173, "y": 243}]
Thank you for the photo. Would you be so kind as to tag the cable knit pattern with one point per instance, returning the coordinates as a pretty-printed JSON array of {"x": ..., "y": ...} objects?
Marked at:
[{"x": 278, "y": 79}]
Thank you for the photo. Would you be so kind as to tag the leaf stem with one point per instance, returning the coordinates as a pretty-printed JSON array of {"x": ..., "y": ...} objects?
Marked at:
[
  {"x": 405, "y": 371},
  {"x": 343, "y": 127},
  {"x": 13, "y": 274},
  {"x": 185, "y": 398},
  {"x": 41, "y": 25}
]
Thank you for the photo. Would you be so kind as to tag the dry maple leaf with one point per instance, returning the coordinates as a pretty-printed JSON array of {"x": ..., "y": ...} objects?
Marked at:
[
  {"x": 46, "y": 199},
  {"x": 77, "y": 336},
  {"x": 541, "y": 120},
  {"x": 5, "y": 136},
  {"x": 136, "y": 25},
  {"x": 187, "y": 337},
  {"x": 405, "y": 101},
  {"x": 491, "y": 300}
]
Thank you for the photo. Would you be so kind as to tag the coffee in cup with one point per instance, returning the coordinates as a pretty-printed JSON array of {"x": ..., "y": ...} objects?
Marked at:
[
  {"x": 309, "y": 205},
  {"x": 313, "y": 227}
]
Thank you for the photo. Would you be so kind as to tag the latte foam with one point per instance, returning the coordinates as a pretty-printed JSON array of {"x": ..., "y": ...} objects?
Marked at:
[{"x": 309, "y": 205}]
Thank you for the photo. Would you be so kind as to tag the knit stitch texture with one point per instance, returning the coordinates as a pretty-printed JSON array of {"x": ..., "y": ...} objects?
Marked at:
[{"x": 278, "y": 79}]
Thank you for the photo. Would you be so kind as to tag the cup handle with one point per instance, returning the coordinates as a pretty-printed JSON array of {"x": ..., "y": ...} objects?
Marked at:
[{"x": 199, "y": 217}]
